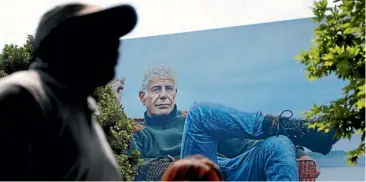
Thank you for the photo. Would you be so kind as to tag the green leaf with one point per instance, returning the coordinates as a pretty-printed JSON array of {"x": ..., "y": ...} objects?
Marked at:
[
  {"x": 360, "y": 104},
  {"x": 362, "y": 87},
  {"x": 338, "y": 48},
  {"x": 312, "y": 78},
  {"x": 343, "y": 67},
  {"x": 299, "y": 57},
  {"x": 361, "y": 93},
  {"x": 360, "y": 131},
  {"x": 350, "y": 30},
  {"x": 353, "y": 51},
  {"x": 328, "y": 57},
  {"x": 328, "y": 63}
]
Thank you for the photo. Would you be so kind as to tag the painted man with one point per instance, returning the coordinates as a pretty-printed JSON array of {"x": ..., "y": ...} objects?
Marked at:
[{"x": 246, "y": 146}]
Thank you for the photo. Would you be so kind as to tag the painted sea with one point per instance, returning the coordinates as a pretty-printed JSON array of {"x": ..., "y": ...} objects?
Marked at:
[{"x": 333, "y": 167}]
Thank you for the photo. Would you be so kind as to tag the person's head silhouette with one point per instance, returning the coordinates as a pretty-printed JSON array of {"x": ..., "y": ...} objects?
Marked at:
[{"x": 79, "y": 43}]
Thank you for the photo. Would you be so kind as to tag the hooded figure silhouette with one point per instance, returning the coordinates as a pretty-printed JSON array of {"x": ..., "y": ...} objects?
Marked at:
[{"x": 48, "y": 131}]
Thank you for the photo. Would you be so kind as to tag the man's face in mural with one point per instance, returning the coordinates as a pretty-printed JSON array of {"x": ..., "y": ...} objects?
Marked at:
[{"x": 159, "y": 98}]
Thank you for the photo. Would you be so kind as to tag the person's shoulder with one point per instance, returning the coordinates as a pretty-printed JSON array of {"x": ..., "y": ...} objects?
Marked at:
[
  {"x": 11, "y": 87},
  {"x": 13, "y": 92},
  {"x": 23, "y": 83},
  {"x": 28, "y": 77},
  {"x": 21, "y": 90},
  {"x": 19, "y": 107},
  {"x": 18, "y": 104}
]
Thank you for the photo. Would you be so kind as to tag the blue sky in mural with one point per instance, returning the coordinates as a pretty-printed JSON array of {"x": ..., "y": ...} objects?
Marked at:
[{"x": 248, "y": 67}]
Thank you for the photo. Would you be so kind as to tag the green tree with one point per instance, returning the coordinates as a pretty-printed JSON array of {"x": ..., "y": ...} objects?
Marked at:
[
  {"x": 338, "y": 49},
  {"x": 116, "y": 125},
  {"x": 119, "y": 130},
  {"x": 14, "y": 58}
]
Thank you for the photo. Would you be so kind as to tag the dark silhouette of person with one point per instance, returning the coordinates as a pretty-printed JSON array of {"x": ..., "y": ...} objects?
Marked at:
[{"x": 47, "y": 127}]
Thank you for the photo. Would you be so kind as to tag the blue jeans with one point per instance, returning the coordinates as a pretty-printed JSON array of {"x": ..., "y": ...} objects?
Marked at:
[{"x": 272, "y": 159}]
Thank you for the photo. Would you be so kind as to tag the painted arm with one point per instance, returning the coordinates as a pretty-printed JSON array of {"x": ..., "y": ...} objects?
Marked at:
[{"x": 117, "y": 87}]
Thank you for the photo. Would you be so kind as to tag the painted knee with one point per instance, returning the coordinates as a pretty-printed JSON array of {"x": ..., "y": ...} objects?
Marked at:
[
  {"x": 198, "y": 111},
  {"x": 199, "y": 108},
  {"x": 280, "y": 146},
  {"x": 194, "y": 115},
  {"x": 280, "y": 159}
]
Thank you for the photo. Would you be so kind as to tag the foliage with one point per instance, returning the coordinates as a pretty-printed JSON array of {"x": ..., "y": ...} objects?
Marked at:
[
  {"x": 119, "y": 130},
  {"x": 116, "y": 125},
  {"x": 339, "y": 49},
  {"x": 14, "y": 58}
]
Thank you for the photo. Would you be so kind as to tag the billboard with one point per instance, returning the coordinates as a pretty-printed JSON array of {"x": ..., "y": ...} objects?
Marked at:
[
  {"x": 251, "y": 68},
  {"x": 247, "y": 67}
]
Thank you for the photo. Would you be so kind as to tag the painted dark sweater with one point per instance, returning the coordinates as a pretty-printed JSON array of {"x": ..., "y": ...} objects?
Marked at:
[{"x": 162, "y": 136}]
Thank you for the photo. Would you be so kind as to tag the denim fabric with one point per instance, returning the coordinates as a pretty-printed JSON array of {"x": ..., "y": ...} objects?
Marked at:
[{"x": 272, "y": 159}]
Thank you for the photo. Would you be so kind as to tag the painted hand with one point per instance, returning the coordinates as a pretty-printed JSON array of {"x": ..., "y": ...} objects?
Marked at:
[{"x": 118, "y": 86}]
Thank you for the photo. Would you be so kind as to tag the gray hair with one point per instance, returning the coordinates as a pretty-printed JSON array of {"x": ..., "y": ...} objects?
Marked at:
[{"x": 157, "y": 72}]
